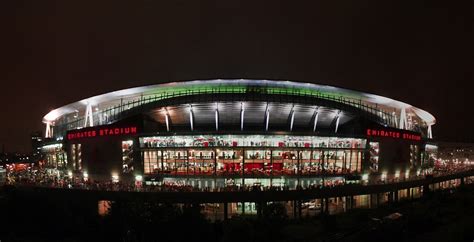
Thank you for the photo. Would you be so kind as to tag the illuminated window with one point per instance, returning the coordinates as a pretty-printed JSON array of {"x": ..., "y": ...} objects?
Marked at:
[
  {"x": 127, "y": 156},
  {"x": 374, "y": 156}
]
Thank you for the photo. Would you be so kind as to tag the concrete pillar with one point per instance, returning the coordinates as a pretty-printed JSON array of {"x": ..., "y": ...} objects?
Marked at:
[
  {"x": 373, "y": 200},
  {"x": 322, "y": 205},
  {"x": 259, "y": 209},
  {"x": 344, "y": 203},
  {"x": 294, "y": 209},
  {"x": 215, "y": 162},
  {"x": 327, "y": 206},
  {"x": 243, "y": 163},
  {"x": 426, "y": 190},
  {"x": 225, "y": 211},
  {"x": 299, "y": 209}
]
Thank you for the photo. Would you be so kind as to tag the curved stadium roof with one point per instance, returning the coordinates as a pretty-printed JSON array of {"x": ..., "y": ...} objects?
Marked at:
[{"x": 123, "y": 97}]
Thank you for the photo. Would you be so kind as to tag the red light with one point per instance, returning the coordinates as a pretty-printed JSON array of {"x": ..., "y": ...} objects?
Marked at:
[
  {"x": 393, "y": 134},
  {"x": 102, "y": 132}
]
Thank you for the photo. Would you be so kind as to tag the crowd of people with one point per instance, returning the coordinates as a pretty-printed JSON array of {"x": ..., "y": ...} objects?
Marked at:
[{"x": 61, "y": 179}]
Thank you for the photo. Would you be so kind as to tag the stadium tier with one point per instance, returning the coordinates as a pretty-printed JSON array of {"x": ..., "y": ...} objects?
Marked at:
[{"x": 237, "y": 128}]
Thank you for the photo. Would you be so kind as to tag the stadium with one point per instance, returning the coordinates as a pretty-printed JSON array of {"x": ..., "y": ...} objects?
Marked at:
[{"x": 237, "y": 128}]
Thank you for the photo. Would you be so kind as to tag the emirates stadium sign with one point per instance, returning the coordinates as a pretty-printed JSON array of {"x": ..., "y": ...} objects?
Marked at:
[
  {"x": 396, "y": 134},
  {"x": 101, "y": 132}
]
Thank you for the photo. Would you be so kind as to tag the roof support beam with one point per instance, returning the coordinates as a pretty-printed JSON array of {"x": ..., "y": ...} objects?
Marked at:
[
  {"x": 403, "y": 124},
  {"x": 191, "y": 117},
  {"x": 167, "y": 120},
  {"x": 338, "y": 117},
  {"x": 430, "y": 132},
  {"x": 393, "y": 121},
  {"x": 316, "y": 116},
  {"x": 267, "y": 117},
  {"x": 216, "y": 116},
  {"x": 242, "y": 115},
  {"x": 88, "y": 116},
  {"x": 292, "y": 117},
  {"x": 49, "y": 130}
]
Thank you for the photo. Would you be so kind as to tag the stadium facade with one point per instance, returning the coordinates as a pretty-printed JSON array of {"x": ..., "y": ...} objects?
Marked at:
[{"x": 237, "y": 128}]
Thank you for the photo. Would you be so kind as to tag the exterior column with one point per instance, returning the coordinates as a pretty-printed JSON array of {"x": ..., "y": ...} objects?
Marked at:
[
  {"x": 139, "y": 161},
  {"x": 298, "y": 168},
  {"x": 350, "y": 162},
  {"x": 344, "y": 161},
  {"x": 162, "y": 163},
  {"x": 225, "y": 211},
  {"x": 243, "y": 167},
  {"x": 322, "y": 205},
  {"x": 187, "y": 162},
  {"x": 215, "y": 162},
  {"x": 294, "y": 209},
  {"x": 327, "y": 205},
  {"x": 243, "y": 163},
  {"x": 365, "y": 161},
  {"x": 347, "y": 206},
  {"x": 299, "y": 208},
  {"x": 271, "y": 163},
  {"x": 323, "y": 160}
]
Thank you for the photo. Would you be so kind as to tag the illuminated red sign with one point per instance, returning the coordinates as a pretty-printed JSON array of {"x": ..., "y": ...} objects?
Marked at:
[
  {"x": 102, "y": 132},
  {"x": 393, "y": 134}
]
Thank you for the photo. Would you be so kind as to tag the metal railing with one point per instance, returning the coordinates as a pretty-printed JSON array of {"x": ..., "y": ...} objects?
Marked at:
[{"x": 114, "y": 113}]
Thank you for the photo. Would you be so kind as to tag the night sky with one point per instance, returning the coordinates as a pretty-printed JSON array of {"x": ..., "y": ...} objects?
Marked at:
[{"x": 54, "y": 53}]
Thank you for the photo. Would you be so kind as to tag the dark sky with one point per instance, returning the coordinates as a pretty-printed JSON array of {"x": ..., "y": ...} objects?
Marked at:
[{"x": 56, "y": 52}]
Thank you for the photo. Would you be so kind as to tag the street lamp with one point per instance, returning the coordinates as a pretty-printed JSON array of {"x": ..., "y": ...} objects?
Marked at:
[
  {"x": 365, "y": 177},
  {"x": 384, "y": 176},
  {"x": 138, "y": 178},
  {"x": 115, "y": 177}
]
